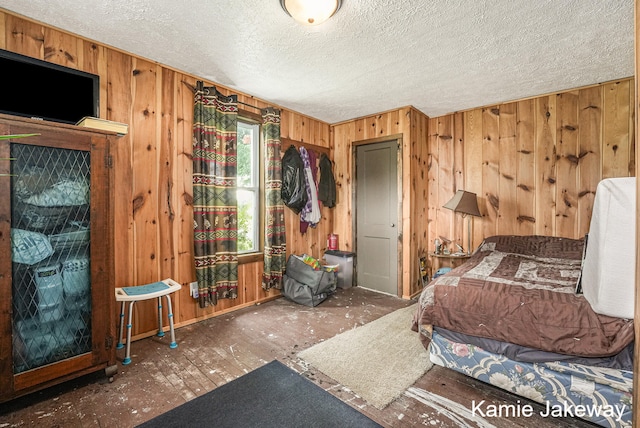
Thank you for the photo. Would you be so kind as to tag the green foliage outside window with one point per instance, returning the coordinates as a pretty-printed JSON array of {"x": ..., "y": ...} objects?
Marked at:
[
  {"x": 245, "y": 219},
  {"x": 248, "y": 186}
]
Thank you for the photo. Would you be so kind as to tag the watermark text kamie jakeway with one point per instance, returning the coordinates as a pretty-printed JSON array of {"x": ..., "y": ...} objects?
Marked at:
[{"x": 523, "y": 410}]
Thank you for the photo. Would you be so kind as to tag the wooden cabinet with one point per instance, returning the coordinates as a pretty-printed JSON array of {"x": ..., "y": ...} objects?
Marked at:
[{"x": 56, "y": 255}]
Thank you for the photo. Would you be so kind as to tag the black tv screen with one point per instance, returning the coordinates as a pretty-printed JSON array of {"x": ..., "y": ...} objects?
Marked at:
[{"x": 43, "y": 90}]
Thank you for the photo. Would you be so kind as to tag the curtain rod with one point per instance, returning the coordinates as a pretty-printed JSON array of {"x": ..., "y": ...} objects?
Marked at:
[
  {"x": 193, "y": 89},
  {"x": 249, "y": 105}
]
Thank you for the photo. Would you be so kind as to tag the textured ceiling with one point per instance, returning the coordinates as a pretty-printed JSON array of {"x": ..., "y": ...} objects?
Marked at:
[{"x": 373, "y": 55}]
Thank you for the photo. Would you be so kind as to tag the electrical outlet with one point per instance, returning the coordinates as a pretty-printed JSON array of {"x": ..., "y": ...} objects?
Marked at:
[{"x": 193, "y": 289}]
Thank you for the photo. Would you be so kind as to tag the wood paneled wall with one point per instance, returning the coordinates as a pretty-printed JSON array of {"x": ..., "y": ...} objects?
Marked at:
[
  {"x": 153, "y": 209},
  {"x": 417, "y": 214},
  {"x": 534, "y": 164},
  {"x": 410, "y": 126}
]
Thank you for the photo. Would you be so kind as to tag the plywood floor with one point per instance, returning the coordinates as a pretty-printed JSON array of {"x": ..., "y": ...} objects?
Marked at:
[{"x": 216, "y": 351}]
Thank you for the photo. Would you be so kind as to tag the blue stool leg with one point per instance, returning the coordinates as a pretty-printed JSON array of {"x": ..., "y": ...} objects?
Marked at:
[
  {"x": 160, "y": 332},
  {"x": 121, "y": 330},
  {"x": 127, "y": 357},
  {"x": 173, "y": 343}
]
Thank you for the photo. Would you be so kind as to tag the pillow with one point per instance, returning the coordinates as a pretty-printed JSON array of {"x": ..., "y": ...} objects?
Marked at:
[{"x": 584, "y": 254}]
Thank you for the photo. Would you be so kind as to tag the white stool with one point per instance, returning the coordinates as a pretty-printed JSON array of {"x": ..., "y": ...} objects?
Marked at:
[{"x": 144, "y": 292}]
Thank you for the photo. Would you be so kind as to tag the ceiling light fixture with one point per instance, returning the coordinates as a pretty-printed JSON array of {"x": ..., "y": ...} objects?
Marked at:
[{"x": 311, "y": 12}]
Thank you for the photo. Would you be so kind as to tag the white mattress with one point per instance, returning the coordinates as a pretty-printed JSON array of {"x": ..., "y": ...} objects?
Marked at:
[{"x": 608, "y": 273}]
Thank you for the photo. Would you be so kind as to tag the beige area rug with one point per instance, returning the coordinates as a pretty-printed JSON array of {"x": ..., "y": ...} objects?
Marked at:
[{"x": 378, "y": 361}]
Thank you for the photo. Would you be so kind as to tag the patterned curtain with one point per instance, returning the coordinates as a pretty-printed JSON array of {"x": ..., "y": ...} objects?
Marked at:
[
  {"x": 275, "y": 243},
  {"x": 215, "y": 229}
]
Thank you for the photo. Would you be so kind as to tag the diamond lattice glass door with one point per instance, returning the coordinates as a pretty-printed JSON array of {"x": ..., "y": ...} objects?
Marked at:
[{"x": 50, "y": 255}]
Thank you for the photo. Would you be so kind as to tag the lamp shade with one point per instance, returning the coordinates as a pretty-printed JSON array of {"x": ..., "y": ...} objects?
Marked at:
[
  {"x": 311, "y": 12},
  {"x": 465, "y": 203}
]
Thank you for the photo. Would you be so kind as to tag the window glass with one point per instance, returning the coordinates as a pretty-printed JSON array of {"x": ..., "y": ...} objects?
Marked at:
[{"x": 248, "y": 186}]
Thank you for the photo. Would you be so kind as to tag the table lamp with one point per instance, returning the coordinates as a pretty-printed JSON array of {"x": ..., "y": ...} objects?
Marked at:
[{"x": 465, "y": 203}]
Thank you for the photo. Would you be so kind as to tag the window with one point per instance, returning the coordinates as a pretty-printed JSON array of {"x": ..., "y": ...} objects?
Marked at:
[{"x": 248, "y": 186}]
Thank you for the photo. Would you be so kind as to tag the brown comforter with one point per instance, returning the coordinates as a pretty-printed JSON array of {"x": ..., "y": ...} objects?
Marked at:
[{"x": 521, "y": 289}]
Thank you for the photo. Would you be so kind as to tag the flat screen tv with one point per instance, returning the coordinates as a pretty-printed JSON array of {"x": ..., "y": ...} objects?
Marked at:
[{"x": 43, "y": 90}]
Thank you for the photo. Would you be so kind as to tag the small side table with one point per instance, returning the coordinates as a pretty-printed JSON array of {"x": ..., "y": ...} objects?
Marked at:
[
  {"x": 145, "y": 292},
  {"x": 452, "y": 260}
]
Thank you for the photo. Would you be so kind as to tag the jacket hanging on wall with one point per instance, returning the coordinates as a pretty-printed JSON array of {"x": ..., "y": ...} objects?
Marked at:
[
  {"x": 327, "y": 184},
  {"x": 310, "y": 214},
  {"x": 293, "y": 191}
]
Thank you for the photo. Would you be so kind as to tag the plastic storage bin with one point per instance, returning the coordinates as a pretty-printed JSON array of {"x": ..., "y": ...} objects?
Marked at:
[{"x": 346, "y": 261}]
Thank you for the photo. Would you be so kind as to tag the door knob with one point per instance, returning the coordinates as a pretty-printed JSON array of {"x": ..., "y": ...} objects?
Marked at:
[{"x": 393, "y": 225}]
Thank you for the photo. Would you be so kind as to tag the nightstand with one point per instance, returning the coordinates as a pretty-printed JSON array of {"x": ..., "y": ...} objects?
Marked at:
[{"x": 446, "y": 260}]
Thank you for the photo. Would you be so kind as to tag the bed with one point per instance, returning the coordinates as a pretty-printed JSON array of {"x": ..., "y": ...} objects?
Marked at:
[{"x": 513, "y": 316}]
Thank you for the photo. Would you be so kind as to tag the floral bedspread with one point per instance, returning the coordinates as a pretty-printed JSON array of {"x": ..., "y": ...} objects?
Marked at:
[{"x": 600, "y": 395}]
